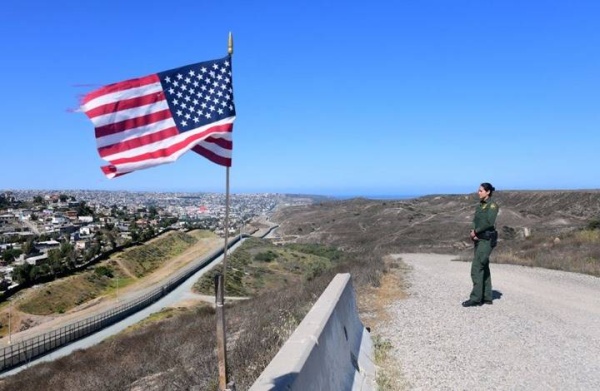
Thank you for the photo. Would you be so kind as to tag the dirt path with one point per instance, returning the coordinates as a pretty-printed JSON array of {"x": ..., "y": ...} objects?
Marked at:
[
  {"x": 541, "y": 333},
  {"x": 42, "y": 324}
]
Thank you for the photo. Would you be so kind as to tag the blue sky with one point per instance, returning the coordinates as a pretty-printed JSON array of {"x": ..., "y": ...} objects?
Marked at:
[{"x": 333, "y": 97}]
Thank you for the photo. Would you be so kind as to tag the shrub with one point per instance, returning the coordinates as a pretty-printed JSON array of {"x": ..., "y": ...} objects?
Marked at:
[
  {"x": 594, "y": 224},
  {"x": 266, "y": 256},
  {"x": 104, "y": 271}
]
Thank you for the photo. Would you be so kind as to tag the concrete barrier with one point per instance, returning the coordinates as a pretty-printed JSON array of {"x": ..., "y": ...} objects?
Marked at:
[{"x": 330, "y": 350}]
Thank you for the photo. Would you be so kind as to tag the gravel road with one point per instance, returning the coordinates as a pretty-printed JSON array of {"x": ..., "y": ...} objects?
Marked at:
[{"x": 541, "y": 333}]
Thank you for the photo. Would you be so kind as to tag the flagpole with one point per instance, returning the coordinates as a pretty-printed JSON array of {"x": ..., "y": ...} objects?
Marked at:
[{"x": 220, "y": 281}]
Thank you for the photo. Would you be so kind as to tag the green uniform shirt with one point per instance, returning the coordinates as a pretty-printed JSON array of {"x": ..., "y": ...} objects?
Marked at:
[{"x": 485, "y": 216}]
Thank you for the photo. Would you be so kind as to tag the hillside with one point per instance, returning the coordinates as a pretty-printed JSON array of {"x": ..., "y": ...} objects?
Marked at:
[
  {"x": 537, "y": 228},
  {"x": 434, "y": 223}
]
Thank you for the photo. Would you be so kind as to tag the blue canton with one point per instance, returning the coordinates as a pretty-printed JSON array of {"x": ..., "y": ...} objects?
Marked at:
[{"x": 199, "y": 94}]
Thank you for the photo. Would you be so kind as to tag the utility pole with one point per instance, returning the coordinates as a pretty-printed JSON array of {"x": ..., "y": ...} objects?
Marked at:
[{"x": 9, "y": 321}]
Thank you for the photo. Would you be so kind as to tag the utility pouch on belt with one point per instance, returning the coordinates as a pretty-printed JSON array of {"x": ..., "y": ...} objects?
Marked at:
[{"x": 493, "y": 238}]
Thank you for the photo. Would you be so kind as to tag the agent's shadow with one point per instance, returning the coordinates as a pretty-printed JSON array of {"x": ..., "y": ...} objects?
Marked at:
[{"x": 496, "y": 295}]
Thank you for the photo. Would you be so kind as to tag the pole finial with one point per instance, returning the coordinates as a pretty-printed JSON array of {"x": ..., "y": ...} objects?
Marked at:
[{"x": 230, "y": 44}]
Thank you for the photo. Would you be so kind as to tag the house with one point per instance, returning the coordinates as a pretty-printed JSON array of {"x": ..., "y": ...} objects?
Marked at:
[{"x": 47, "y": 245}]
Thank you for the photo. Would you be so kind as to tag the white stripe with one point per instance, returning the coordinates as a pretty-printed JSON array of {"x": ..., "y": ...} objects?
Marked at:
[
  {"x": 121, "y": 95},
  {"x": 130, "y": 167},
  {"x": 131, "y": 134},
  {"x": 168, "y": 142},
  {"x": 216, "y": 149},
  {"x": 118, "y": 116}
]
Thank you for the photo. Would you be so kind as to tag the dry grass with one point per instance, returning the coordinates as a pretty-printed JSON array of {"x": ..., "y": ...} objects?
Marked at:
[
  {"x": 577, "y": 251},
  {"x": 373, "y": 306},
  {"x": 178, "y": 352},
  {"x": 65, "y": 294},
  {"x": 145, "y": 259}
]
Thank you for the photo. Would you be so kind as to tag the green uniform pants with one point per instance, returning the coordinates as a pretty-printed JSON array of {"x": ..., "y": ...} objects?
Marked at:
[{"x": 480, "y": 272}]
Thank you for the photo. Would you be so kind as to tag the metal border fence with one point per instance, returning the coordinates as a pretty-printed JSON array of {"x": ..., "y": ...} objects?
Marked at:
[{"x": 29, "y": 349}]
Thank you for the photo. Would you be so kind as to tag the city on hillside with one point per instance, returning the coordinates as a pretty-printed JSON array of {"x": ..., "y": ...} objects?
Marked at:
[{"x": 45, "y": 234}]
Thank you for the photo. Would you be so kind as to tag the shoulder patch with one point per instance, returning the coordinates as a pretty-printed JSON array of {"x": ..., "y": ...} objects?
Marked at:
[{"x": 493, "y": 206}]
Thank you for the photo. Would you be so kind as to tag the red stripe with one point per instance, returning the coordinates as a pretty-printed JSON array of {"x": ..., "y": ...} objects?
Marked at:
[
  {"x": 137, "y": 142},
  {"x": 213, "y": 157},
  {"x": 125, "y": 104},
  {"x": 221, "y": 142},
  {"x": 121, "y": 86},
  {"x": 132, "y": 123},
  {"x": 173, "y": 148}
]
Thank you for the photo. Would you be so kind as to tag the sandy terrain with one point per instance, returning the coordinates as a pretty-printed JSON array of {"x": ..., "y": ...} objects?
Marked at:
[{"x": 42, "y": 324}]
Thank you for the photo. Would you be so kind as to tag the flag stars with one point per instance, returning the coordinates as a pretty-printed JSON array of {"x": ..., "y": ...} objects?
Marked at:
[{"x": 200, "y": 95}]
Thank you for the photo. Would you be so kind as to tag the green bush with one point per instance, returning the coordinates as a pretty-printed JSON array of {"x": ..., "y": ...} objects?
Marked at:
[
  {"x": 266, "y": 256},
  {"x": 594, "y": 224},
  {"x": 104, "y": 271}
]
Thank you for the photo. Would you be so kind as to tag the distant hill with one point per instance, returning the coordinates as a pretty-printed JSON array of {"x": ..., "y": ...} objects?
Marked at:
[{"x": 436, "y": 223}]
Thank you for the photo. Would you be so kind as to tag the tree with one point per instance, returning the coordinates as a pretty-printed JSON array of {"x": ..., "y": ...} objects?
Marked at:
[
  {"x": 3, "y": 201},
  {"x": 21, "y": 273},
  {"x": 152, "y": 211},
  {"x": 28, "y": 246},
  {"x": 55, "y": 261},
  {"x": 63, "y": 197},
  {"x": 84, "y": 210},
  {"x": 11, "y": 254},
  {"x": 38, "y": 199}
]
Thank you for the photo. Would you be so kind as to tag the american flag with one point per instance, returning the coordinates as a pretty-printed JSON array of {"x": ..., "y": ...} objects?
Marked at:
[{"x": 141, "y": 123}]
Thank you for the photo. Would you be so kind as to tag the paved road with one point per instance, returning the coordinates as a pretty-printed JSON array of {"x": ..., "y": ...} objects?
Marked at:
[{"x": 541, "y": 333}]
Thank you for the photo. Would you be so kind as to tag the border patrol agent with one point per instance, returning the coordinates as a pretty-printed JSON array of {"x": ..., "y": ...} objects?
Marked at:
[{"x": 484, "y": 236}]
